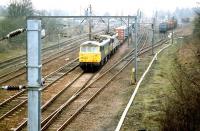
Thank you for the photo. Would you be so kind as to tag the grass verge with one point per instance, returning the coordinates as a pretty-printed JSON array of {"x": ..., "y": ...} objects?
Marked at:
[{"x": 147, "y": 107}]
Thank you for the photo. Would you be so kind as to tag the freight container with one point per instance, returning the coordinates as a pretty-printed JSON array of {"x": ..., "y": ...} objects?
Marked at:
[{"x": 122, "y": 32}]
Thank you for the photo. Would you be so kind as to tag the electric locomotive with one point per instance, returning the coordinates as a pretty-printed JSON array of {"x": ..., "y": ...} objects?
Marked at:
[{"x": 95, "y": 53}]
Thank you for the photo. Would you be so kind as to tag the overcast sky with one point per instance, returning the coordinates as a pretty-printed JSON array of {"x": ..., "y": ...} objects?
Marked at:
[{"x": 113, "y": 7}]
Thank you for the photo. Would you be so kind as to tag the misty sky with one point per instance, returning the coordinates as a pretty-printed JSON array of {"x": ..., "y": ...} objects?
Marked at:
[{"x": 113, "y": 7}]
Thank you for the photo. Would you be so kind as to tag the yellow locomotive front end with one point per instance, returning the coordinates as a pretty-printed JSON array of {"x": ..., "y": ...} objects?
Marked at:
[{"x": 89, "y": 56}]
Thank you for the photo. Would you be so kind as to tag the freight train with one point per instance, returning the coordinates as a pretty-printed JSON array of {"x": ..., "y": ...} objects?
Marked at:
[
  {"x": 167, "y": 25},
  {"x": 95, "y": 53}
]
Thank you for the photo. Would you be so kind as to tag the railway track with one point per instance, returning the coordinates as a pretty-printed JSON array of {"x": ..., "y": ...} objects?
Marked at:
[
  {"x": 20, "y": 99},
  {"x": 63, "y": 95}
]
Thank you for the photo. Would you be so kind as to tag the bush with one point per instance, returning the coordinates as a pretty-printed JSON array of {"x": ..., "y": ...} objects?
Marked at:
[
  {"x": 182, "y": 111},
  {"x": 196, "y": 30}
]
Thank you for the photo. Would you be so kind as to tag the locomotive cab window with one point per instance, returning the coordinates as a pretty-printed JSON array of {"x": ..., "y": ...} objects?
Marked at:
[
  {"x": 112, "y": 40},
  {"x": 93, "y": 49},
  {"x": 90, "y": 49},
  {"x": 83, "y": 49},
  {"x": 101, "y": 48}
]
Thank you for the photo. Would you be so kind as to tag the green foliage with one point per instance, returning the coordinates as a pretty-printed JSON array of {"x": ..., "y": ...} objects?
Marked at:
[
  {"x": 15, "y": 19},
  {"x": 21, "y": 8},
  {"x": 52, "y": 27},
  {"x": 182, "y": 113},
  {"x": 196, "y": 30}
]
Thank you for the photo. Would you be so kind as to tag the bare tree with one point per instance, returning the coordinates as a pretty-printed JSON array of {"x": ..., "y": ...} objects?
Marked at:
[{"x": 21, "y": 8}]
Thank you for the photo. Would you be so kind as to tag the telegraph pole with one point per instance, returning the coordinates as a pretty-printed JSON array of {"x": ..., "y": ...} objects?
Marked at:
[
  {"x": 138, "y": 19},
  {"x": 153, "y": 31},
  {"x": 135, "y": 61},
  {"x": 136, "y": 44},
  {"x": 34, "y": 74},
  {"x": 108, "y": 25},
  {"x": 90, "y": 23},
  {"x": 58, "y": 41},
  {"x": 128, "y": 30},
  {"x": 172, "y": 35}
]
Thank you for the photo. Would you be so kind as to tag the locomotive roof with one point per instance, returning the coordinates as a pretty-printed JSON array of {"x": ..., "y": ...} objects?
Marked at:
[
  {"x": 96, "y": 42},
  {"x": 109, "y": 36}
]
